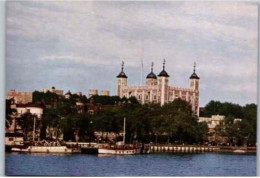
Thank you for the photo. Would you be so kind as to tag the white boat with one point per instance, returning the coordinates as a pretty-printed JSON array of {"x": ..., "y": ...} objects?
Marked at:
[
  {"x": 239, "y": 151},
  {"x": 118, "y": 151},
  {"x": 43, "y": 149},
  {"x": 120, "y": 148}
]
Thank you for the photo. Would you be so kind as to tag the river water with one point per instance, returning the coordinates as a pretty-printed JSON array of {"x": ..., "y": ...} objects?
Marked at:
[{"x": 204, "y": 164}]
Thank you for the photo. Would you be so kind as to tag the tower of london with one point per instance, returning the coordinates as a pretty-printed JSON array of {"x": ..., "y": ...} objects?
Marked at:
[{"x": 158, "y": 90}]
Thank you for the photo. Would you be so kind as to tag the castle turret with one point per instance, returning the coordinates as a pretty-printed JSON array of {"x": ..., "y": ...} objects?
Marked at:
[
  {"x": 194, "y": 85},
  {"x": 121, "y": 81},
  {"x": 163, "y": 83},
  {"x": 151, "y": 78},
  {"x": 194, "y": 79}
]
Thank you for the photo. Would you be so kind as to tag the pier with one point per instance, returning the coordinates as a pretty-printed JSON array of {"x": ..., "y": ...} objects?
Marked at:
[
  {"x": 199, "y": 149},
  {"x": 182, "y": 148}
]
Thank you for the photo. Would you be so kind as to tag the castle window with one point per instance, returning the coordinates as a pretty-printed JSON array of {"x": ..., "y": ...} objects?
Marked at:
[
  {"x": 139, "y": 97},
  {"x": 154, "y": 97},
  {"x": 147, "y": 97}
]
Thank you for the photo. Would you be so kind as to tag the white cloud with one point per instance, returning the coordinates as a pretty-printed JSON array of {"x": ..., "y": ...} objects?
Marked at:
[
  {"x": 76, "y": 59},
  {"x": 220, "y": 37}
]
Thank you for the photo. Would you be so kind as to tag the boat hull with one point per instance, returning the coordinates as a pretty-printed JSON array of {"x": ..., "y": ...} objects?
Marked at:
[
  {"x": 239, "y": 151},
  {"x": 89, "y": 150},
  {"x": 43, "y": 149},
  {"x": 118, "y": 151}
]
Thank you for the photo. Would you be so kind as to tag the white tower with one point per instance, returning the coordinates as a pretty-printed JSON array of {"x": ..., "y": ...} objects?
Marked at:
[
  {"x": 163, "y": 83},
  {"x": 121, "y": 81}
]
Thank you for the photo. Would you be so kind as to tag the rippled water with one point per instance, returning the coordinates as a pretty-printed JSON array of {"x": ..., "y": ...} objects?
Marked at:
[{"x": 206, "y": 164}]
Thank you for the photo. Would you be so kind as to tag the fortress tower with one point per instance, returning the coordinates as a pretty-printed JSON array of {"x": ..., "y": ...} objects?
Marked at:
[
  {"x": 158, "y": 90},
  {"x": 121, "y": 81},
  {"x": 163, "y": 83}
]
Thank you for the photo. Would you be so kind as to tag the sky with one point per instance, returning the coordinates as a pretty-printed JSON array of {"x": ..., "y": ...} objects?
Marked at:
[{"x": 79, "y": 46}]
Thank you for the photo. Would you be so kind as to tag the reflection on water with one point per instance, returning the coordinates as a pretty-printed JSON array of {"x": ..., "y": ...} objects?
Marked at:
[{"x": 206, "y": 164}]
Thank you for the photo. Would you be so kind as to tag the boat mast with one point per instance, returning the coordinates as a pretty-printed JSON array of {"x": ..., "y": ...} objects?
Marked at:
[
  {"x": 124, "y": 132},
  {"x": 33, "y": 128}
]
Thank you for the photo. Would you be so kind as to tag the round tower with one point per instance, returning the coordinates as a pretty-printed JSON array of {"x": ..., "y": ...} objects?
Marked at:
[
  {"x": 121, "y": 81},
  {"x": 163, "y": 83},
  {"x": 151, "y": 78}
]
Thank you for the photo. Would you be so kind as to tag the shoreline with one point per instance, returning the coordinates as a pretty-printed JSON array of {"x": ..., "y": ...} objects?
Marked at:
[{"x": 153, "y": 148}]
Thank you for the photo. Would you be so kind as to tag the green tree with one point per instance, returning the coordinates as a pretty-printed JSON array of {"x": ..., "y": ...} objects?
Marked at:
[
  {"x": 26, "y": 122},
  {"x": 46, "y": 98},
  {"x": 8, "y": 113}
]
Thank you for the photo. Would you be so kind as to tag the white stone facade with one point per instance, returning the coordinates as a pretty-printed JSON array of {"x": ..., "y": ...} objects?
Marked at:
[
  {"x": 104, "y": 93},
  {"x": 20, "y": 97},
  {"x": 157, "y": 89},
  {"x": 212, "y": 121},
  {"x": 215, "y": 120},
  {"x": 36, "y": 109},
  {"x": 92, "y": 92}
]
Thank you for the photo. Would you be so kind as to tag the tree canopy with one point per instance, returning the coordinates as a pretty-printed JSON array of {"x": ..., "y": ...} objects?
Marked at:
[
  {"x": 173, "y": 122},
  {"x": 242, "y": 131}
]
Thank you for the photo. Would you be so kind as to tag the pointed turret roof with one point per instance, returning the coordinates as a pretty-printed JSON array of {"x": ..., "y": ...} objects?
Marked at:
[
  {"x": 163, "y": 73},
  {"x": 194, "y": 75},
  {"x": 151, "y": 74},
  {"x": 122, "y": 73}
]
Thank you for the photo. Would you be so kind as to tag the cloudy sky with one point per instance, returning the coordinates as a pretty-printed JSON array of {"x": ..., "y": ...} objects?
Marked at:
[{"x": 79, "y": 46}]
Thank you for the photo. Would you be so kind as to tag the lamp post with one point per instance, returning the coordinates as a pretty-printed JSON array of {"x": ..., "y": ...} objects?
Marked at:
[
  {"x": 34, "y": 123},
  {"x": 90, "y": 123},
  {"x": 124, "y": 132}
]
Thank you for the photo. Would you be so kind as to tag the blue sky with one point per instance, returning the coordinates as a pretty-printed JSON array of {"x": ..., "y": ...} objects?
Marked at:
[{"x": 79, "y": 46}]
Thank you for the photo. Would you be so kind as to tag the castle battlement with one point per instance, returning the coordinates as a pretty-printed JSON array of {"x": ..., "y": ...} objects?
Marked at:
[
  {"x": 181, "y": 89},
  {"x": 159, "y": 91},
  {"x": 139, "y": 87}
]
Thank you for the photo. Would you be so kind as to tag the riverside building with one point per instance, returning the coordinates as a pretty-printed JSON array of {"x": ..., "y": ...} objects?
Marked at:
[
  {"x": 20, "y": 97},
  {"x": 158, "y": 90}
]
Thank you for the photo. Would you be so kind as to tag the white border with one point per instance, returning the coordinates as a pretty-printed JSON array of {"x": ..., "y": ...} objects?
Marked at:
[
  {"x": 3, "y": 92},
  {"x": 2, "y": 86}
]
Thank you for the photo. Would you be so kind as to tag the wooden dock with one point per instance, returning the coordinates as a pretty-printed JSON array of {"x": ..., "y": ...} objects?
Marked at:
[
  {"x": 199, "y": 149},
  {"x": 182, "y": 148}
]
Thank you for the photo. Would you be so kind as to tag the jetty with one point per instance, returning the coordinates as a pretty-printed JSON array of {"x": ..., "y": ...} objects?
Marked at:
[{"x": 199, "y": 148}]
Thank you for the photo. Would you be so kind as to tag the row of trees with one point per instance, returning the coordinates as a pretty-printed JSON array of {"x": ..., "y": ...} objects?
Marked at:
[
  {"x": 241, "y": 132},
  {"x": 173, "y": 122}
]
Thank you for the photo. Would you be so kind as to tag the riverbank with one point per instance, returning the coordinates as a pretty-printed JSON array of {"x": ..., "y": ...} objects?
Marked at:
[{"x": 77, "y": 147}]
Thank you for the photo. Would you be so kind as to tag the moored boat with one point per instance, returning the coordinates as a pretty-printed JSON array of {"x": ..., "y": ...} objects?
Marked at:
[
  {"x": 239, "y": 151},
  {"x": 43, "y": 149},
  {"x": 119, "y": 149}
]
